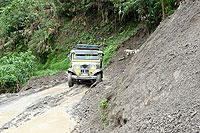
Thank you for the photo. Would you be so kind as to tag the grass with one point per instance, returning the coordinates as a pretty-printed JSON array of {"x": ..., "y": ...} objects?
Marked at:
[
  {"x": 103, "y": 105},
  {"x": 72, "y": 34},
  {"x": 113, "y": 43},
  {"x": 53, "y": 65},
  {"x": 45, "y": 72}
]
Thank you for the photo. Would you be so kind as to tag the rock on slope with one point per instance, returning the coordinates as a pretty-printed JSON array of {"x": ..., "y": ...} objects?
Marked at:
[{"x": 161, "y": 88}]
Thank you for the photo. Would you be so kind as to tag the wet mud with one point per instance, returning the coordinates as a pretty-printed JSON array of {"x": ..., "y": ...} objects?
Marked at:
[{"x": 44, "y": 111}]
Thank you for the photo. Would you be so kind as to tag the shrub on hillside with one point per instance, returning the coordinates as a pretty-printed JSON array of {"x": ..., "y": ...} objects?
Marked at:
[
  {"x": 28, "y": 24},
  {"x": 15, "y": 70}
]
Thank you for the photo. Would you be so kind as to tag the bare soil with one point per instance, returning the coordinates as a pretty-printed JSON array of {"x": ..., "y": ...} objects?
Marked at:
[
  {"x": 46, "y": 81},
  {"x": 158, "y": 89}
]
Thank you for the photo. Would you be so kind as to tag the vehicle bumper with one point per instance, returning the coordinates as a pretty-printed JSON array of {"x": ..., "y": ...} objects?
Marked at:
[{"x": 84, "y": 77}]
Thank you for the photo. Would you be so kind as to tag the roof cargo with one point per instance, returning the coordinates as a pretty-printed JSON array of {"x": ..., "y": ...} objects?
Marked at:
[{"x": 89, "y": 47}]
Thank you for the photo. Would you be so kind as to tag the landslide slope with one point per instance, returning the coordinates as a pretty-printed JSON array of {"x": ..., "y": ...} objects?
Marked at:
[{"x": 160, "y": 91}]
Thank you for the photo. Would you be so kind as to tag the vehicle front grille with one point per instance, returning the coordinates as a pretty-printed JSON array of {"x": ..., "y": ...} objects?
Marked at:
[{"x": 85, "y": 71}]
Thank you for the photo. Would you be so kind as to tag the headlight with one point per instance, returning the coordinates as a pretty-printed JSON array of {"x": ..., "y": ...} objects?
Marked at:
[
  {"x": 92, "y": 66},
  {"x": 77, "y": 66}
]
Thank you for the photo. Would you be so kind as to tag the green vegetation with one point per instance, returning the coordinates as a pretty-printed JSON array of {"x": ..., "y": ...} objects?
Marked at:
[
  {"x": 28, "y": 24},
  {"x": 4, "y": 3},
  {"x": 104, "y": 111},
  {"x": 145, "y": 11},
  {"x": 112, "y": 43},
  {"x": 51, "y": 28},
  {"x": 103, "y": 103},
  {"x": 15, "y": 70},
  {"x": 54, "y": 64}
]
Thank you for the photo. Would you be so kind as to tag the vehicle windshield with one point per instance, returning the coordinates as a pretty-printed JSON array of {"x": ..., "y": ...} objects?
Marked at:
[{"x": 86, "y": 57}]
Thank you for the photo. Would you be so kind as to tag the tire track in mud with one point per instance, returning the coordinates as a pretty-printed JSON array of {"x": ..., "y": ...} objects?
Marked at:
[{"x": 43, "y": 105}]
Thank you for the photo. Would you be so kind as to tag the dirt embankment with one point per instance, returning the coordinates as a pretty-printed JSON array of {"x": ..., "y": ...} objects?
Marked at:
[{"x": 159, "y": 90}]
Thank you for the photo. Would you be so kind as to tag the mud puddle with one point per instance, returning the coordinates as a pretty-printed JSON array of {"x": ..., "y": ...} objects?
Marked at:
[{"x": 46, "y": 111}]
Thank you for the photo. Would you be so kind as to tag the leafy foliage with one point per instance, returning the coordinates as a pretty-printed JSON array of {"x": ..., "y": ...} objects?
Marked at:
[
  {"x": 103, "y": 103},
  {"x": 104, "y": 111},
  {"x": 4, "y": 3},
  {"x": 146, "y": 11},
  {"x": 15, "y": 70},
  {"x": 27, "y": 22}
]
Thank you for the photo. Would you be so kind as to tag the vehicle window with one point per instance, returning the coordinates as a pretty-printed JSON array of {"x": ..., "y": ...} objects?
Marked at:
[{"x": 86, "y": 57}]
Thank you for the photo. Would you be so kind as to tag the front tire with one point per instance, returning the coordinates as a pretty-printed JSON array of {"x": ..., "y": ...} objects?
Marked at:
[{"x": 70, "y": 82}]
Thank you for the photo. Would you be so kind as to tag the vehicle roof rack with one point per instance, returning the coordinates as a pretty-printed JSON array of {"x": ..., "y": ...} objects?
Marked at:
[{"x": 88, "y": 47}]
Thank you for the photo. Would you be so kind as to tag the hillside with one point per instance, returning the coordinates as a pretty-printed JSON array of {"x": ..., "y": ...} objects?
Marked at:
[
  {"x": 46, "y": 31},
  {"x": 159, "y": 89}
]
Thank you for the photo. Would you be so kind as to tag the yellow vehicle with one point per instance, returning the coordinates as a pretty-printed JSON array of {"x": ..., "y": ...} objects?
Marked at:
[{"x": 86, "y": 64}]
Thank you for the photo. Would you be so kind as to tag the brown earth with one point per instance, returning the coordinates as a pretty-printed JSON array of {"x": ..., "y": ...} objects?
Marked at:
[
  {"x": 158, "y": 90},
  {"x": 46, "y": 81}
]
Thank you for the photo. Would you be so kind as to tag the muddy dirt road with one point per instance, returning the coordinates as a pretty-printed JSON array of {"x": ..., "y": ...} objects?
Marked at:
[{"x": 47, "y": 110}]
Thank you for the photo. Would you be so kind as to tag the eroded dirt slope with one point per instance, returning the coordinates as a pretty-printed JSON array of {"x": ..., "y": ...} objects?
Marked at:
[{"x": 159, "y": 91}]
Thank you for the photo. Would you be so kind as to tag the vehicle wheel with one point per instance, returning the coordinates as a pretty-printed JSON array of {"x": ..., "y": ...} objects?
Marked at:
[
  {"x": 99, "y": 77},
  {"x": 70, "y": 82}
]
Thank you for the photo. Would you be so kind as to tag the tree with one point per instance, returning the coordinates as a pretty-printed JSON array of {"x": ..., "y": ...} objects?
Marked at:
[{"x": 163, "y": 9}]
